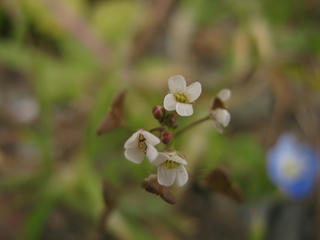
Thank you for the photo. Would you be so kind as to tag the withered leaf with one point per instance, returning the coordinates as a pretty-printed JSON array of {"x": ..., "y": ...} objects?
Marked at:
[
  {"x": 219, "y": 180},
  {"x": 151, "y": 185},
  {"x": 114, "y": 117}
]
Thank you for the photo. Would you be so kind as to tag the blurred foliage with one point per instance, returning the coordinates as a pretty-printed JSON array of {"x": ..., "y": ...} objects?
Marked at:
[
  {"x": 246, "y": 156},
  {"x": 63, "y": 73}
]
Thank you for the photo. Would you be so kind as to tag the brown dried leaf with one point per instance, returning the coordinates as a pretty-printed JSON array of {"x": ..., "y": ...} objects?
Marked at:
[
  {"x": 151, "y": 185},
  {"x": 219, "y": 180},
  {"x": 114, "y": 117}
]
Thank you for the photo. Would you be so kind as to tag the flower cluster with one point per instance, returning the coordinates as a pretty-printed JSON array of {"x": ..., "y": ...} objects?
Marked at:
[
  {"x": 170, "y": 163},
  {"x": 293, "y": 166}
]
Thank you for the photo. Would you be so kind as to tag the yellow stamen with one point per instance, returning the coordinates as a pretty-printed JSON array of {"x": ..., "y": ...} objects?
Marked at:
[
  {"x": 169, "y": 164},
  {"x": 181, "y": 97},
  {"x": 142, "y": 143},
  {"x": 291, "y": 170}
]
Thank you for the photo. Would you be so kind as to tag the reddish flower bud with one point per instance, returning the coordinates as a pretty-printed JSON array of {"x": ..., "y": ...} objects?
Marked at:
[
  {"x": 158, "y": 112},
  {"x": 172, "y": 120},
  {"x": 174, "y": 125},
  {"x": 166, "y": 137}
]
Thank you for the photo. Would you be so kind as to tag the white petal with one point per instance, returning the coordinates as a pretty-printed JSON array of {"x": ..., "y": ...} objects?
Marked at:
[
  {"x": 224, "y": 95},
  {"x": 152, "y": 139},
  {"x": 179, "y": 159},
  {"x": 184, "y": 109},
  {"x": 177, "y": 84},
  {"x": 166, "y": 176},
  {"x": 169, "y": 102},
  {"x": 182, "y": 176},
  {"x": 132, "y": 142},
  {"x": 160, "y": 159},
  {"x": 134, "y": 155},
  {"x": 152, "y": 152},
  {"x": 217, "y": 126},
  {"x": 193, "y": 91},
  {"x": 222, "y": 116}
]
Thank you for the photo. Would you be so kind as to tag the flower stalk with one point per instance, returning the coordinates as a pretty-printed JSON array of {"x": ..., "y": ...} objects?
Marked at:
[{"x": 191, "y": 125}]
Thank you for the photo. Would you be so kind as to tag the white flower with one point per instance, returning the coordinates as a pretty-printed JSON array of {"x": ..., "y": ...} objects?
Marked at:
[
  {"x": 181, "y": 96},
  {"x": 141, "y": 143},
  {"x": 171, "y": 169},
  {"x": 219, "y": 114}
]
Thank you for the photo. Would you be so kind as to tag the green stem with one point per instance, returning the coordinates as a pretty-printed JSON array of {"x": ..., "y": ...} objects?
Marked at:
[
  {"x": 159, "y": 129},
  {"x": 191, "y": 125}
]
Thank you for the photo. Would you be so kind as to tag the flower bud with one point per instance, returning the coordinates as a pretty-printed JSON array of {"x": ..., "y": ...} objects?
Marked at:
[
  {"x": 166, "y": 137},
  {"x": 172, "y": 120},
  {"x": 172, "y": 117},
  {"x": 158, "y": 112},
  {"x": 174, "y": 125}
]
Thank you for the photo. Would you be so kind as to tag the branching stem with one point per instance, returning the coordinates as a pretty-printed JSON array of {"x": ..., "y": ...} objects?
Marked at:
[
  {"x": 191, "y": 125},
  {"x": 157, "y": 129}
]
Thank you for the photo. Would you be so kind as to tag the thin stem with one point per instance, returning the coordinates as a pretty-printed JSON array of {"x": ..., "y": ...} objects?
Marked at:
[
  {"x": 156, "y": 129},
  {"x": 191, "y": 125}
]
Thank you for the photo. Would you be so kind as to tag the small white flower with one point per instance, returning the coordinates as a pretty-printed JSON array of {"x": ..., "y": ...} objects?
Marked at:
[
  {"x": 171, "y": 169},
  {"x": 219, "y": 114},
  {"x": 141, "y": 143},
  {"x": 181, "y": 96}
]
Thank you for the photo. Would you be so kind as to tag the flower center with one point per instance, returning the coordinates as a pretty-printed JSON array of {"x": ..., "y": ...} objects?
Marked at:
[
  {"x": 142, "y": 143},
  {"x": 292, "y": 169},
  {"x": 169, "y": 164},
  {"x": 181, "y": 97}
]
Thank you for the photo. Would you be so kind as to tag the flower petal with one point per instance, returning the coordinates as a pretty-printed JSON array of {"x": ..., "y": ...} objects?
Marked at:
[
  {"x": 166, "y": 176},
  {"x": 152, "y": 152},
  {"x": 222, "y": 116},
  {"x": 177, "y": 84},
  {"x": 182, "y": 176},
  {"x": 217, "y": 126},
  {"x": 134, "y": 155},
  {"x": 224, "y": 94},
  {"x": 169, "y": 102},
  {"x": 193, "y": 91},
  {"x": 152, "y": 139},
  {"x": 184, "y": 109},
  {"x": 132, "y": 142},
  {"x": 179, "y": 159},
  {"x": 160, "y": 159}
]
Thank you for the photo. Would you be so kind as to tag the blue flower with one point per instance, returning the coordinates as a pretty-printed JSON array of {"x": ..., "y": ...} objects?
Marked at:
[{"x": 293, "y": 166}]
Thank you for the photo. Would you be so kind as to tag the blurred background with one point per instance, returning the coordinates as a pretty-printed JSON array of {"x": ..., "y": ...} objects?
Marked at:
[{"x": 63, "y": 61}]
